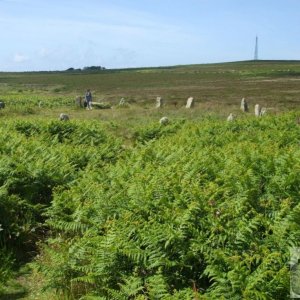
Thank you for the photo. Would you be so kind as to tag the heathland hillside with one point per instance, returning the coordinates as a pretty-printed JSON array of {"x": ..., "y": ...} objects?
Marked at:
[{"x": 214, "y": 86}]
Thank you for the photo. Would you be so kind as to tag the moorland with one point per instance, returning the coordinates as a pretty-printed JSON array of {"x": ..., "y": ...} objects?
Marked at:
[{"x": 114, "y": 205}]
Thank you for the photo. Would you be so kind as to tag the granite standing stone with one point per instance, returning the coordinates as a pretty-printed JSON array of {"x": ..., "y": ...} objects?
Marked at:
[
  {"x": 230, "y": 117},
  {"x": 190, "y": 102},
  {"x": 257, "y": 110},
  {"x": 263, "y": 111},
  {"x": 159, "y": 102},
  {"x": 79, "y": 102},
  {"x": 164, "y": 121},
  {"x": 244, "y": 105},
  {"x": 122, "y": 102},
  {"x": 64, "y": 117}
]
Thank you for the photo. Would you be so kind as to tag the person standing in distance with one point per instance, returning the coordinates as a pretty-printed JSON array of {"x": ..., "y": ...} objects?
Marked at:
[{"x": 88, "y": 99}]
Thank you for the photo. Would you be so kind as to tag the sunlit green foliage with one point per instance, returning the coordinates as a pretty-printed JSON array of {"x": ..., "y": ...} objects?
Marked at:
[
  {"x": 36, "y": 159},
  {"x": 204, "y": 210},
  {"x": 124, "y": 208}
]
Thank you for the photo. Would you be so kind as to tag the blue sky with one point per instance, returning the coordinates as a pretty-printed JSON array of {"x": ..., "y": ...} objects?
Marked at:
[{"x": 59, "y": 34}]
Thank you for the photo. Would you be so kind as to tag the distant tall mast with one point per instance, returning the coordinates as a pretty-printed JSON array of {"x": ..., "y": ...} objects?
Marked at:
[{"x": 256, "y": 49}]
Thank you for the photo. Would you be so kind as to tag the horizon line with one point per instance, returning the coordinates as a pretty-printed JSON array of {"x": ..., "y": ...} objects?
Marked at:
[{"x": 152, "y": 67}]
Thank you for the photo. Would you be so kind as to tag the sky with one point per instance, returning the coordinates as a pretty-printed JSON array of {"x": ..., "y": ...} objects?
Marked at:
[{"x": 46, "y": 35}]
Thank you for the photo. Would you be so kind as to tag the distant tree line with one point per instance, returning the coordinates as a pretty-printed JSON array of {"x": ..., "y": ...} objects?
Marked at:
[{"x": 91, "y": 68}]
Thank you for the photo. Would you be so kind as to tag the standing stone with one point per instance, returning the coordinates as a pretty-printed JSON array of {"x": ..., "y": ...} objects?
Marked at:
[
  {"x": 244, "y": 105},
  {"x": 159, "y": 102},
  {"x": 122, "y": 103},
  {"x": 78, "y": 101},
  {"x": 164, "y": 121},
  {"x": 2, "y": 105},
  {"x": 40, "y": 104},
  {"x": 257, "y": 110},
  {"x": 263, "y": 111},
  {"x": 190, "y": 102},
  {"x": 230, "y": 117},
  {"x": 64, "y": 117}
]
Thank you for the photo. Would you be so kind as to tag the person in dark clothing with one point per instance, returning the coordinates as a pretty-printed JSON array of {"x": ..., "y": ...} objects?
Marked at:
[{"x": 88, "y": 99}]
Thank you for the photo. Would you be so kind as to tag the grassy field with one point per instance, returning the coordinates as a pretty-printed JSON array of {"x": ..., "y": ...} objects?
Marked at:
[{"x": 216, "y": 88}]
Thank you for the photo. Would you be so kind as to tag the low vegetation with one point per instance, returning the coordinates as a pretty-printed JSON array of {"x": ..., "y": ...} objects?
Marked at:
[{"x": 114, "y": 205}]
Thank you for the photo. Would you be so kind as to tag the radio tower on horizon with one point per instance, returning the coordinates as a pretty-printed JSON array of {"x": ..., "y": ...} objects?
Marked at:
[{"x": 256, "y": 49}]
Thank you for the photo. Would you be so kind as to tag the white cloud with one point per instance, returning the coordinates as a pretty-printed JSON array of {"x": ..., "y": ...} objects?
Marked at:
[{"x": 19, "y": 58}]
